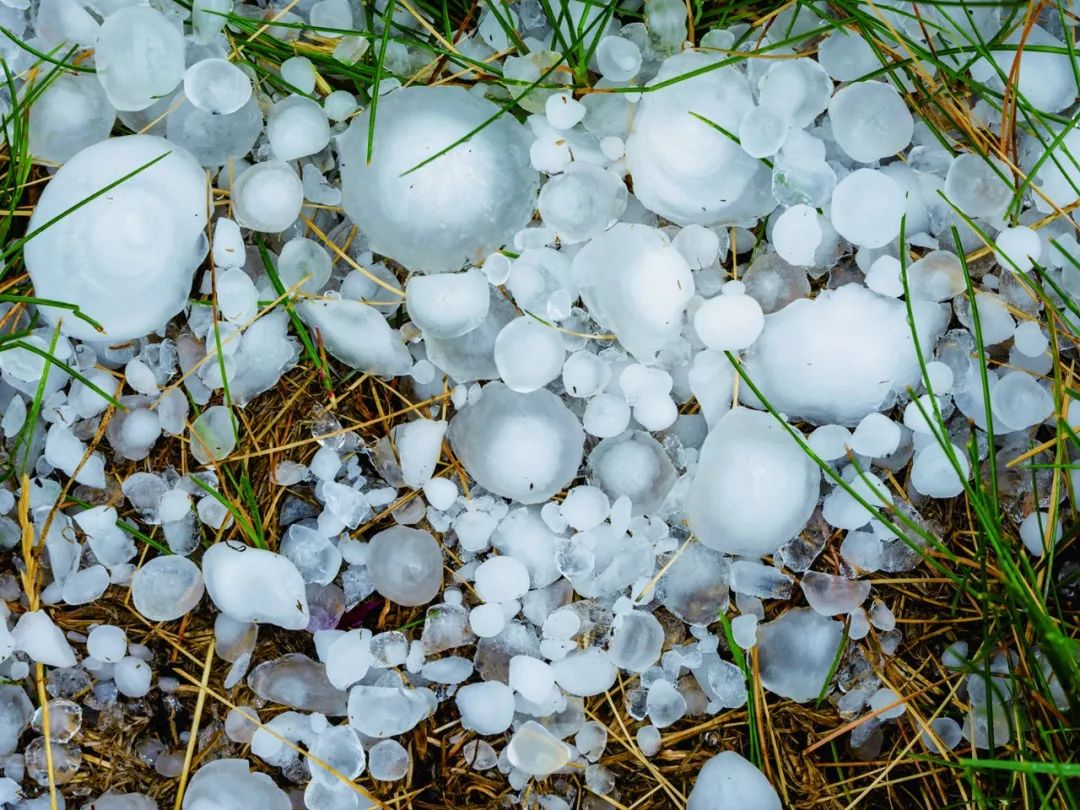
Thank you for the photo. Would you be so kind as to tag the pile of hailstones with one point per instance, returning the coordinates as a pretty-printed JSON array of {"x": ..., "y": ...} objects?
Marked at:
[{"x": 605, "y": 523}]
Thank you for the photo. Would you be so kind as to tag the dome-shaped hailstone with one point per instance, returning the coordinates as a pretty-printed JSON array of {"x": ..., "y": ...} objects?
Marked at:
[
  {"x": 685, "y": 169},
  {"x": 126, "y": 258},
  {"x": 458, "y": 208}
]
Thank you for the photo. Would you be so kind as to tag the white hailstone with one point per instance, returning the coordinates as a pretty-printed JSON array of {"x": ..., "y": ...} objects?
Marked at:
[
  {"x": 867, "y": 207},
  {"x": 339, "y": 105},
  {"x": 300, "y": 73},
  {"x": 844, "y": 509},
  {"x": 1018, "y": 249},
  {"x": 883, "y": 277},
  {"x": 107, "y": 643},
  {"x": 798, "y": 89},
  {"x": 636, "y": 641},
  {"x": 731, "y": 321},
  {"x": 305, "y": 263},
  {"x": 835, "y": 358},
  {"x": 71, "y": 114},
  {"x": 536, "y": 751},
  {"x": 754, "y": 488},
  {"x": 501, "y": 579},
  {"x": 763, "y": 131},
  {"x": 744, "y": 630},
  {"x": 486, "y": 708},
  {"x": 876, "y": 436},
  {"x": 727, "y": 781},
  {"x": 267, "y": 197},
  {"x": 528, "y": 354},
  {"x": 217, "y": 86},
  {"x": 460, "y": 206},
  {"x": 830, "y": 442},
  {"x": 882, "y": 702},
  {"x": 1041, "y": 66},
  {"x": 520, "y": 446},
  {"x": 230, "y": 784},
  {"x": 846, "y": 56},
  {"x": 933, "y": 473},
  {"x": 65, "y": 452},
  {"x": 606, "y": 415},
  {"x": 237, "y": 297},
  {"x": 937, "y": 276},
  {"x": 1019, "y": 401},
  {"x": 166, "y": 588},
  {"x": 947, "y": 735},
  {"x": 1037, "y": 534},
  {"x": 139, "y": 56},
  {"x": 132, "y": 677},
  {"x": 146, "y": 236},
  {"x": 618, "y": 58},
  {"x": 635, "y": 284},
  {"x": 582, "y": 202},
  {"x": 358, "y": 335},
  {"x": 448, "y": 305},
  {"x": 584, "y": 673},
  {"x": 487, "y": 620},
  {"x": 940, "y": 376},
  {"x": 870, "y": 121},
  {"x": 700, "y": 246},
  {"x": 978, "y": 186},
  {"x": 36, "y": 635},
  {"x": 585, "y": 508},
  {"x": 228, "y": 244},
  {"x": 254, "y": 585},
  {"x": 684, "y": 168},
  {"x": 563, "y": 111},
  {"x": 655, "y": 412},
  {"x": 796, "y": 653},
  {"x": 440, "y": 493},
  {"x": 419, "y": 445},
  {"x": 797, "y": 235},
  {"x": 297, "y": 127},
  {"x": 831, "y": 595},
  {"x": 531, "y": 678},
  {"x": 584, "y": 374},
  {"x": 1029, "y": 339},
  {"x": 405, "y": 565}
]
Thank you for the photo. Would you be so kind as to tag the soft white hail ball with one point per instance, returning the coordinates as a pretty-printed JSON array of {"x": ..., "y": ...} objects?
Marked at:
[
  {"x": 139, "y": 56},
  {"x": 867, "y": 207}
]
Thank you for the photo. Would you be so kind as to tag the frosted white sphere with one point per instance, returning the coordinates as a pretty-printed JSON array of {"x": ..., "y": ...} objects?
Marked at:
[
  {"x": 521, "y": 446},
  {"x": 217, "y": 86},
  {"x": 762, "y": 132},
  {"x": 297, "y": 127},
  {"x": 729, "y": 322},
  {"x": 268, "y": 197},
  {"x": 139, "y": 57},
  {"x": 870, "y": 121},
  {"x": 71, "y": 114},
  {"x": 126, "y": 258},
  {"x": 754, "y": 488},
  {"x": 528, "y": 354},
  {"x": 867, "y": 207},
  {"x": 1018, "y": 249},
  {"x": 166, "y": 588},
  {"x": 462, "y": 205},
  {"x": 982, "y": 187},
  {"x": 582, "y": 202},
  {"x": 405, "y": 565}
]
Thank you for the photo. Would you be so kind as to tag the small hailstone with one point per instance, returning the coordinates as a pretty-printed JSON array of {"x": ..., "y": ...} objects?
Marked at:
[
  {"x": 405, "y": 565},
  {"x": 886, "y": 697},
  {"x": 487, "y": 620},
  {"x": 830, "y": 595},
  {"x": 876, "y": 436},
  {"x": 1029, "y": 339},
  {"x": 267, "y": 197},
  {"x": 613, "y": 147},
  {"x": 501, "y": 579},
  {"x": 830, "y": 442},
  {"x": 881, "y": 617},
  {"x": 486, "y": 708},
  {"x": 388, "y": 761},
  {"x": 867, "y": 207},
  {"x": 618, "y": 58},
  {"x": 528, "y": 354},
  {"x": 140, "y": 377},
  {"x": 858, "y": 624},
  {"x": 700, "y": 246},
  {"x": 1034, "y": 530},
  {"x": 797, "y": 234},
  {"x": 762, "y": 132},
  {"x": 135, "y": 77},
  {"x": 213, "y": 434},
  {"x": 1018, "y": 249},
  {"x": 217, "y": 86},
  {"x": 744, "y": 630},
  {"x": 655, "y": 412},
  {"x": 166, "y": 587},
  {"x": 132, "y": 677},
  {"x": 532, "y": 678},
  {"x": 883, "y": 277},
  {"x": 107, "y": 643},
  {"x": 947, "y": 734},
  {"x": 1019, "y": 401},
  {"x": 297, "y": 127},
  {"x": 933, "y": 474},
  {"x": 585, "y": 507},
  {"x": 255, "y": 585},
  {"x": 440, "y": 493},
  {"x": 977, "y": 185},
  {"x": 300, "y": 73},
  {"x": 228, "y": 250},
  {"x": 940, "y": 376},
  {"x": 870, "y": 121},
  {"x": 563, "y": 111},
  {"x": 536, "y": 751},
  {"x": 729, "y": 322},
  {"x": 339, "y": 105},
  {"x": 648, "y": 740},
  {"x": 36, "y": 635},
  {"x": 606, "y": 415}
]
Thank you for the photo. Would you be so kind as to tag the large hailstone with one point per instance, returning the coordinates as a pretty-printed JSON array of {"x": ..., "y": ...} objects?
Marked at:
[
  {"x": 754, "y": 488},
  {"x": 139, "y": 56},
  {"x": 520, "y": 446},
  {"x": 683, "y": 168},
  {"x": 636, "y": 284},
  {"x": 127, "y": 257},
  {"x": 835, "y": 358},
  {"x": 458, "y": 208}
]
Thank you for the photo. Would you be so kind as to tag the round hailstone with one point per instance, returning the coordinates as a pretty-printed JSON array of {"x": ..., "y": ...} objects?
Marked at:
[
  {"x": 217, "y": 86},
  {"x": 254, "y": 585},
  {"x": 797, "y": 234},
  {"x": 166, "y": 588},
  {"x": 685, "y": 169},
  {"x": 870, "y": 121},
  {"x": 145, "y": 237},
  {"x": 979, "y": 186},
  {"x": 582, "y": 202},
  {"x": 1018, "y": 249},
  {"x": 846, "y": 56},
  {"x": 305, "y": 263},
  {"x": 214, "y": 139},
  {"x": 633, "y": 464},
  {"x": 933, "y": 473},
  {"x": 230, "y": 784},
  {"x": 459, "y": 207},
  {"x": 107, "y": 643},
  {"x": 606, "y": 415},
  {"x": 762, "y": 132},
  {"x": 405, "y": 565},
  {"x": 797, "y": 89},
  {"x": 213, "y": 435},
  {"x": 563, "y": 111},
  {"x": 139, "y": 57},
  {"x": 729, "y": 782},
  {"x": 525, "y": 447},
  {"x": 637, "y": 285},
  {"x": 1036, "y": 532},
  {"x": 501, "y": 579},
  {"x": 867, "y": 207},
  {"x": 267, "y": 197},
  {"x": 1020, "y": 402},
  {"x": 71, "y": 114},
  {"x": 618, "y": 58},
  {"x": 729, "y": 322},
  {"x": 754, "y": 488},
  {"x": 937, "y": 276},
  {"x": 297, "y": 127},
  {"x": 1029, "y": 339},
  {"x": 876, "y": 436},
  {"x": 528, "y": 354},
  {"x": 448, "y": 305}
]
